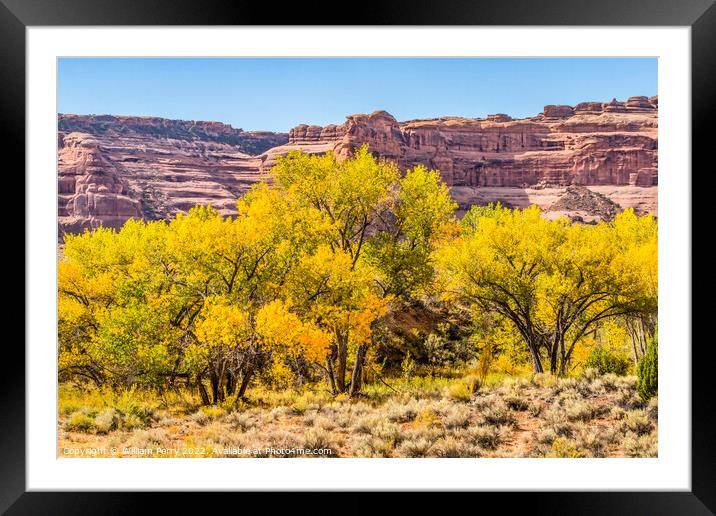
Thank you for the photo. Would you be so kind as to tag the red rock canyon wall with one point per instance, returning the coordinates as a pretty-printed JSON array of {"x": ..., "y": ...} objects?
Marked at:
[{"x": 113, "y": 168}]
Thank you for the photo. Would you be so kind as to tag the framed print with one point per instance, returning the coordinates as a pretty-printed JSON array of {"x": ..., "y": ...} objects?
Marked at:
[{"x": 443, "y": 248}]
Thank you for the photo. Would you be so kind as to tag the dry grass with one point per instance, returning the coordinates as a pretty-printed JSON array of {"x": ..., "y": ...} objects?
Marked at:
[{"x": 540, "y": 416}]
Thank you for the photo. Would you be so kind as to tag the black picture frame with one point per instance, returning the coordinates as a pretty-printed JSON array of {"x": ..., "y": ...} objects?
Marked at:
[{"x": 700, "y": 15}]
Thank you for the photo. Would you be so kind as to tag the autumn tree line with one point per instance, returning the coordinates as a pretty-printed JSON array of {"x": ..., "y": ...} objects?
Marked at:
[{"x": 299, "y": 284}]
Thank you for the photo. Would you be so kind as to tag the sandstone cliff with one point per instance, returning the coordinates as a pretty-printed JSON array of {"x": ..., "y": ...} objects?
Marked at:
[
  {"x": 592, "y": 143},
  {"x": 114, "y": 168}
]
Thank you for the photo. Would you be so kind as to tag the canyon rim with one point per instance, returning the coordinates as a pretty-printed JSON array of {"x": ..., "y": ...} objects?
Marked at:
[{"x": 586, "y": 161}]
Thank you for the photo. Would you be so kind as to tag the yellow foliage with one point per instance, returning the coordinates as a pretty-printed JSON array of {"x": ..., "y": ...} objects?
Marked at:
[
  {"x": 279, "y": 328},
  {"x": 553, "y": 281},
  {"x": 222, "y": 324}
]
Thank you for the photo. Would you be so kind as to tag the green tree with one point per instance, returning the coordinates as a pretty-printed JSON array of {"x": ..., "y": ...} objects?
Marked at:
[
  {"x": 648, "y": 371},
  {"x": 422, "y": 214}
]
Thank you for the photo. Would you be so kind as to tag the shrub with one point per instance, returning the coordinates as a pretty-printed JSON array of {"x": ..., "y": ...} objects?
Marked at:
[
  {"x": 516, "y": 402},
  {"x": 609, "y": 382},
  {"x": 459, "y": 392},
  {"x": 147, "y": 438},
  {"x": 343, "y": 419},
  {"x": 568, "y": 396},
  {"x": 206, "y": 414},
  {"x": 636, "y": 422},
  {"x": 428, "y": 417},
  {"x": 580, "y": 410},
  {"x": 408, "y": 366},
  {"x": 543, "y": 380},
  {"x": 457, "y": 417},
  {"x": 67, "y": 406},
  {"x": 277, "y": 443},
  {"x": 565, "y": 385},
  {"x": 131, "y": 403},
  {"x": 648, "y": 371},
  {"x": 324, "y": 423},
  {"x": 132, "y": 421},
  {"x": 497, "y": 414},
  {"x": 200, "y": 417},
  {"x": 365, "y": 425},
  {"x": 592, "y": 441},
  {"x": 418, "y": 448},
  {"x": 534, "y": 409},
  {"x": 368, "y": 446},
  {"x": 486, "y": 437},
  {"x": 590, "y": 373},
  {"x": 299, "y": 406},
  {"x": 563, "y": 429},
  {"x": 80, "y": 422},
  {"x": 565, "y": 448},
  {"x": 604, "y": 361},
  {"x": 430, "y": 433},
  {"x": 546, "y": 436},
  {"x": 627, "y": 398},
  {"x": 652, "y": 409},
  {"x": 617, "y": 413},
  {"x": 240, "y": 421},
  {"x": 168, "y": 421},
  {"x": 640, "y": 446},
  {"x": 449, "y": 447},
  {"x": 106, "y": 421},
  {"x": 387, "y": 431},
  {"x": 212, "y": 412},
  {"x": 316, "y": 439},
  {"x": 399, "y": 413}
]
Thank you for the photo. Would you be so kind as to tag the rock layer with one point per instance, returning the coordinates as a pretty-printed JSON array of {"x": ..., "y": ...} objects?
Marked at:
[
  {"x": 592, "y": 143},
  {"x": 113, "y": 168}
]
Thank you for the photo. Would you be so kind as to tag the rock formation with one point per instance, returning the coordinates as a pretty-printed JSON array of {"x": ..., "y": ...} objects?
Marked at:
[
  {"x": 113, "y": 168},
  {"x": 592, "y": 143},
  {"x": 582, "y": 204},
  {"x": 250, "y": 142},
  {"x": 90, "y": 188}
]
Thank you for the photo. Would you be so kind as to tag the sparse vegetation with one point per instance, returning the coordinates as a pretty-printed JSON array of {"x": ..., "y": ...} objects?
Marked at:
[{"x": 572, "y": 422}]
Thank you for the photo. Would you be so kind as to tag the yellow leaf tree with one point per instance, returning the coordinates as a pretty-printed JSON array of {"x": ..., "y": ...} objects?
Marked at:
[{"x": 553, "y": 280}]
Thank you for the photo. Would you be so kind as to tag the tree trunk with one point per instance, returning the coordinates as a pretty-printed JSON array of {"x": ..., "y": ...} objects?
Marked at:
[
  {"x": 536, "y": 362},
  {"x": 563, "y": 356},
  {"x": 636, "y": 354},
  {"x": 357, "y": 377},
  {"x": 248, "y": 373},
  {"x": 230, "y": 383},
  {"x": 553, "y": 355},
  {"x": 342, "y": 361},
  {"x": 563, "y": 364},
  {"x": 329, "y": 373},
  {"x": 215, "y": 392},
  {"x": 202, "y": 391}
]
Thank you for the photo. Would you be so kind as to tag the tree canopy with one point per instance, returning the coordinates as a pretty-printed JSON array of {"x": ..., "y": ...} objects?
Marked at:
[{"x": 303, "y": 277}]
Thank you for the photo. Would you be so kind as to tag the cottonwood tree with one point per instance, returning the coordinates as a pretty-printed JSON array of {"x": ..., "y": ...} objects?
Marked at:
[
  {"x": 553, "y": 280},
  {"x": 333, "y": 285},
  {"x": 341, "y": 298},
  {"x": 226, "y": 269},
  {"x": 421, "y": 214},
  {"x": 114, "y": 306}
]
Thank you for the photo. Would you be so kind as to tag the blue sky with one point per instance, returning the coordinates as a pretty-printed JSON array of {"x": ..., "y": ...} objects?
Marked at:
[{"x": 277, "y": 94}]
